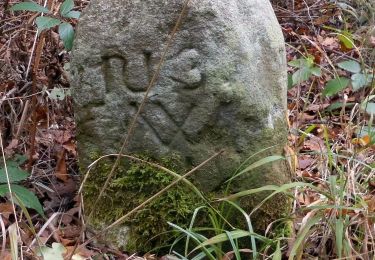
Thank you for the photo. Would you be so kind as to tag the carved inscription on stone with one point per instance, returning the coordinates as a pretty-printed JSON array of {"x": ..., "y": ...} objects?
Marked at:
[{"x": 130, "y": 75}]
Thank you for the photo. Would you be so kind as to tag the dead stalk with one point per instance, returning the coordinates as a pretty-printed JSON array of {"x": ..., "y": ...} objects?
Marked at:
[
  {"x": 38, "y": 54},
  {"x": 152, "y": 198}
]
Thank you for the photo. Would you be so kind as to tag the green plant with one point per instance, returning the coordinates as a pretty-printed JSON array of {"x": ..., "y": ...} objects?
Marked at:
[
  {"x": 305, "y": 69},
  {"x": 134, "y": 183},
  {"x": 66, "y": 11},
  {"x": 224, "y": 235},
  {"x": 360, "y": 78},
  {"x": 16, "y": 175}
]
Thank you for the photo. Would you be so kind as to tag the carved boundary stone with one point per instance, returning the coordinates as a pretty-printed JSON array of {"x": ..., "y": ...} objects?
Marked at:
[{"x": 223, "y": 86}]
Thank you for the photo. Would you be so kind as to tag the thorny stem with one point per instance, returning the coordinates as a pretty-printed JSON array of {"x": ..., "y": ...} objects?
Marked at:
[{"x": 38, "y": 54}]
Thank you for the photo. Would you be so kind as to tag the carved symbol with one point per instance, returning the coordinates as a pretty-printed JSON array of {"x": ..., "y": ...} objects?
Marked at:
[{"x": 132, "y": 75}]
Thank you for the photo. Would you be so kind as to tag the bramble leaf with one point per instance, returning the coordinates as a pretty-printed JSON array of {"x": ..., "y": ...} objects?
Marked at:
[
  {"x": 350, "y": 65},
  {"x": 73, "y": 14},
  {"x": 15, "y": 174},
  {"x": 66, "y": 33},
  {"x": 28, "y": 199},
  {"x": 360, "y": 80},
  {"x": 66, "y": 7},
  {"x": 335, "y": 85},
  {"x": 29, "y": 6},
  {"x": 44, "y": 22}
]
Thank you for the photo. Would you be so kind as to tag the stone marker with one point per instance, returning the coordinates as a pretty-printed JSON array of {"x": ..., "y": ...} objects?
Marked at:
[{"x": 222, "y": 86}]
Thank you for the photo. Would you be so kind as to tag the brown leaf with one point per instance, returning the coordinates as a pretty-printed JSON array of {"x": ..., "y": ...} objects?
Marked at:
[
  {"x": 68, "y": 216},
  {"x": 316, "y": 107},
  {"x": 83, "y": 252},
  {"x": 67, "y": 242},
  {"x": 372, "y": 41},
  {"x": 6, "y": 256},
  {"x": 62, "y": 136},
  {"x": 9, "y": 150},
  {"x": 304, "y": 162},
  {"x": 322, "y": 20},
  {"x": 362, "y": 141},
  {"x": 71, "y": 147},
  {"x": 6, "y": 209},
  {"x": 71, "y": 232},
  {"x": 307, "y": 117},
  {"x": 330, "y": 42},
  {"x": 61, "y": 172}
]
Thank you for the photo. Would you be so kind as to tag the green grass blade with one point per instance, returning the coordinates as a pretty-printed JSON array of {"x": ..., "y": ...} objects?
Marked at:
[
  {"x": 277, "y": 255},
  {"x": 301, "y": 236},
  {"x": 196, "y": 238},
  {"x": 339, "y": 235},
  {"x": 257, "y": 164},
  {"x": 249, "y": 226},
  {"x": 233, "y": 244},
  {"x": 276, "y": 189},
  {"x": 195, "y": 213},
  {"x": 235, "y": 234}
]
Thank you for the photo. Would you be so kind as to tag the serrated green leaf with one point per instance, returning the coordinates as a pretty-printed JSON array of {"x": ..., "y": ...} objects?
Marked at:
[
  {"x": 15, "y": 174},
  {"x": 44, "y": 22},
  {"x": 316, "y": 71},
  {"x": 369, "y": 108},
  {"x": 20, "y": 159},
  {"x": 301, "y": 63},
  {"x": 334, "y": 86},
  {"x": 360, "y": 80},
  {"x": 350, "y": 65},
  {"x": 258, "y": 163},
  {"x": 338, "y": 105},
  {"x": 66, "y": 7},
  {"x": 73, "y": 14},
  {"x": 290, "y": 81},
  {"x": 55, "y": 253},
  {"x": 29, "y": 6},
  {"x": 28, "y": 199},
  {"x": 301, "y": 75},
  {"x": 66, "y": 33}
]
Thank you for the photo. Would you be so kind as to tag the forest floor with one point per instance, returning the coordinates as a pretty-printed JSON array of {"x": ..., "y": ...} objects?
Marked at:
[{"x": 331, "y": 54}]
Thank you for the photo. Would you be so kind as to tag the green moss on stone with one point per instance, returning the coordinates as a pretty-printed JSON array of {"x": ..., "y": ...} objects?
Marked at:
[{"x": 133, "y": 184}]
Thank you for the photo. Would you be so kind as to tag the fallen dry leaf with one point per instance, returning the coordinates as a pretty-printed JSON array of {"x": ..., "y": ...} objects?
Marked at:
[
  {"x": 304, "y": 162},
  {"x": 61, "y": 171},
  {"x": 71, "y": 147},
  {"x": 79, "y": 251},
  {"x": 362, "y": 141}
]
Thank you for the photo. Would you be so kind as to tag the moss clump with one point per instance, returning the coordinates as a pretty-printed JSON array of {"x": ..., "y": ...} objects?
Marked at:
[{"x": 133, "y": 184}]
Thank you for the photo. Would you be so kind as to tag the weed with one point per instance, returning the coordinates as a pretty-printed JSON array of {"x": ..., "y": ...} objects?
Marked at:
[{"x": 66, "y": 11}]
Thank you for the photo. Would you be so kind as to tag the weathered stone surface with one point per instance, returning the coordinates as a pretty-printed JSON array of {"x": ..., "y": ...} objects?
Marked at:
[{"x": 222, "y": 86}]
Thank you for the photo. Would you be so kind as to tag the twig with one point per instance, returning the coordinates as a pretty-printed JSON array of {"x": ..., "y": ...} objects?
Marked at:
[
  {"x": 22, "y": 121},
  {"x": 155, "y": 196},
  {"x": 34, "y": 45},
  {"x": 38, "y": 54}
]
